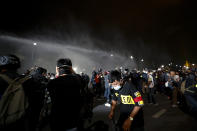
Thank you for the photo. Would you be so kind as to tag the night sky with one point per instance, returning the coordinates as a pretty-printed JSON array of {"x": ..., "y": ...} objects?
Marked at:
[{"x": 156, "y": 30}]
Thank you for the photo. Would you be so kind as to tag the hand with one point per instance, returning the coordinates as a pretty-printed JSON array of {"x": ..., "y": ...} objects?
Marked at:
[
  {"x": 127, "y": 124},
  {"x": 111, "y": 114}
]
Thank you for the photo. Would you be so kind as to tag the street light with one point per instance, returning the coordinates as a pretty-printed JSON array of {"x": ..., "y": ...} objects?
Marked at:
[
  {"x": 34, "y": 45},
  {"x": 75, "y": 69},
  {"x": 193, "y": 64},
  {"x": 131, "y": 57},
  {"x": 111, "y": 55},
  {"x": 162, "y": 66},
  {"x": 141, "y": 64}
]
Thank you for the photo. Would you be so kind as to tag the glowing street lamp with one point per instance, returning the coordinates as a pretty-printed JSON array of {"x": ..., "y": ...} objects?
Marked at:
[
  {"x": 75, "y": 69},
  {"x": 131, "y": 57},
  {"x": 34, "y": 44},
  {"x": 193, "y": 64},
  {"x": 162, "y": 66},
  {"x": 141, "y": 64},
  {"x": 111, "y": 55}
]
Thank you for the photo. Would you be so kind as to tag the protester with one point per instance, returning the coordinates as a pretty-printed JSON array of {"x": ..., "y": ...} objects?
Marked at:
[
  {"x": 175, "y": 91},
  {"x": 93, "y": 82},
  {"x": 107, "y": 89},
  {"x": 65, "y": 96},
  {"x": 151, "y": 89},
  {"x": 131, "y": 114},
  {"x": 9, "y": 64},
  {"x": 191, "y": 93},
  {"x": 35, "y": 90}
]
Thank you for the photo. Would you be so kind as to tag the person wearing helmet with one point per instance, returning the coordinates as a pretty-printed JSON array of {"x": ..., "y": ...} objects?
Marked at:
[
  {"x": 9, "y": 64},
  {"x": 36, "y": 91}
]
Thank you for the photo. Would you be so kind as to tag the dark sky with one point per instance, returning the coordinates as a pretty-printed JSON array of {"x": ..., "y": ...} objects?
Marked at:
[{"x": 149, "y": 28}]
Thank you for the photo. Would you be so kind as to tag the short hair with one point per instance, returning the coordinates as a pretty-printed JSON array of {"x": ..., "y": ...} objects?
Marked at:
[{"x": 114, "y": 75}]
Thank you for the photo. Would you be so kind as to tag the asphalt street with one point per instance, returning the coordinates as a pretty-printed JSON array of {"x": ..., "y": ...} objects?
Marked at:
[{"x": 162, "y": 117}]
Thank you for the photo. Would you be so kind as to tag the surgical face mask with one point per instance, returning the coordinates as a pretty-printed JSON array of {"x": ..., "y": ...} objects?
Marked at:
[{"x": 117, "y": 87}]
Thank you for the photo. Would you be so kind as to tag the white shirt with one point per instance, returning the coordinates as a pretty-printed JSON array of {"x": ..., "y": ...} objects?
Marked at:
[{"x": 150, "y": 78}]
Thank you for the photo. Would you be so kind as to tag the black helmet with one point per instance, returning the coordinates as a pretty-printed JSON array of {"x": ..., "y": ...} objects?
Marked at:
[
  {"x": 39, "y": 73},
  {"x": 40, "y": 70},
  {"x": 64, "y": 62},
  {"x": 64, "y": 66},
  {"x": 10, "y": 61}
]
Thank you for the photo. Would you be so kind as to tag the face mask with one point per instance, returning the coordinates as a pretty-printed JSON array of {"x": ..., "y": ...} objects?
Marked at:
[{"x": 116, "y": 87}]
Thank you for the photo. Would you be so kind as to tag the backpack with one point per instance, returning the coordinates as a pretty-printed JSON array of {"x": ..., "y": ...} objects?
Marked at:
[{"x": 13, "y": 103}]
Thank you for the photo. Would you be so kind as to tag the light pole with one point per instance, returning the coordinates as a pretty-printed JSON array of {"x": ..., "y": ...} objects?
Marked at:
[
  {"x": 75, "y": 69},
  {"x": 131, "y": 62},
  {"x": 34, "y": 46},
  {"x": 142, "y": 65}
]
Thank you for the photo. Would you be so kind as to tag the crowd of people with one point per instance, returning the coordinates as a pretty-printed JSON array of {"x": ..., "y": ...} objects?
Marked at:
[
  {"x": 34, "y": 99},
  {"x": 178, "y": 85}
]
